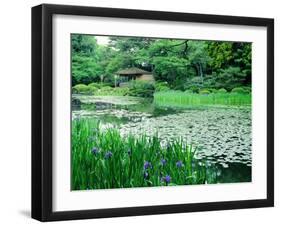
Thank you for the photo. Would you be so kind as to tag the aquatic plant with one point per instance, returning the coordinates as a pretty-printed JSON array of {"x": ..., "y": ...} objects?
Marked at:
[
  {"x": 184, "y": 99},
  {"x": 113, "y": 161}
]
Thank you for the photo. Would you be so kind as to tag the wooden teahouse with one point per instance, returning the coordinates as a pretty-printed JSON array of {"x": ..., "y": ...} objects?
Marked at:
[{"x": 134, "y": 73}]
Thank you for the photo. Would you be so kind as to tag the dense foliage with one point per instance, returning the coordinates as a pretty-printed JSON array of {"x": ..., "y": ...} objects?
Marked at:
[
  {"x": 141, "y": 89},
  {"x": 178, "y": 64},
  {"x": 105, "y": 159}
]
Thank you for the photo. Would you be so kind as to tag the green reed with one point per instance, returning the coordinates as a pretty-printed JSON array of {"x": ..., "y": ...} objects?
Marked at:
[
  {"x": 183, "y": 99},
  {"x": 104, "y": 159}
]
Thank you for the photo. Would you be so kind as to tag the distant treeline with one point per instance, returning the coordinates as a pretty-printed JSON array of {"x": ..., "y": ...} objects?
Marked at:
[{"x": 183, "y": 64}]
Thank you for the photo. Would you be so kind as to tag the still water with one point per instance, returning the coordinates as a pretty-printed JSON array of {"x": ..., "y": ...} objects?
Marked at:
[{"x": 221, "y": 135}]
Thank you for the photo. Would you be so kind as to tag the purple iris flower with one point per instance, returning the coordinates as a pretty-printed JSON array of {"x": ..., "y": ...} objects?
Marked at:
[
  {"x": 146, "y": 175},
  {"x": 108, "y": 155},
  {"x": 166, "y": 179},
  {"x": 95, "y": 151},
  {"x": 179, "y": 164},
  {"x": 163, "y": 162},
  {"x": 147, "y": 165}
]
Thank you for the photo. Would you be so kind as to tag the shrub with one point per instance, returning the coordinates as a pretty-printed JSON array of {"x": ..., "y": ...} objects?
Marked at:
[
  {"x": 222, "y": 90},
  {"x": 92, "y": 90},
  {"x": 109, "y": 91},
  {"x": 227, "y": 78},
  {"x": 188, "y": 91},
  {"x": 84, "y": 89},
  {"x": 194, "y": 84},
  {"x": 239, "y": 90},
  {"x": 248, "y": 88},
  {"x": 204, "y": 91},
  {"x": 194, "y": 89},
  {"x": 81, "y": 88},
  {"x": 141, "y": 89},
  {"x": 106, "y": 84},
  {"x": 212, "y": 90},
  {"x": 121, "y": 91},
  {"x": 161, "y": 86},
  {"x": 96, "y": 85},
  {"x": 230, "y": 78},
  {"x": 106, "y": 88}
]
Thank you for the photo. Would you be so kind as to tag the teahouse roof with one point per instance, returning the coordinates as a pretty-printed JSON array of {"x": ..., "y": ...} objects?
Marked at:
[{"x": 132, "y": 71}]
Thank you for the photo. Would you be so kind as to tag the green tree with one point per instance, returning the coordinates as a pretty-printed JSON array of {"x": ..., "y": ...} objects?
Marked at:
[
  {"x": 183, "y": 64},
  {"x": 85, "y": 66},
  {"x": 230, "y": 63},
  {"x": 176, "y": 61}
]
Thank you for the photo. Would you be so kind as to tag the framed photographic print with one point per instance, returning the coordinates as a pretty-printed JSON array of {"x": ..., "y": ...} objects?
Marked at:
[{"x": 145, "y": 112}]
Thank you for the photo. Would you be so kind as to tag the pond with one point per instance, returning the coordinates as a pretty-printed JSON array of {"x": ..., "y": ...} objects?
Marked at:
[{"x": 222, "y": 135}]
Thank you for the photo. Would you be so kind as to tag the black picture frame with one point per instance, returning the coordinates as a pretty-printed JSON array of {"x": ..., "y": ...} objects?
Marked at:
[{"x": 42, "y": 111}]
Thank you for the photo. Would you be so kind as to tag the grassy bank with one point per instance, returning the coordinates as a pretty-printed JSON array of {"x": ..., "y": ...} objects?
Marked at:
[
  {"x": 103, "y": 159},
  {"x": 185, "y": 99}
]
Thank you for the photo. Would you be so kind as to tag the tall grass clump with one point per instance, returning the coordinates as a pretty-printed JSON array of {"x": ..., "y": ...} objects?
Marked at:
[
  {"x": 104, "y": 159},
  {"x": 187, "y": 99}
]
